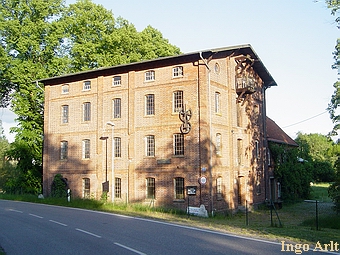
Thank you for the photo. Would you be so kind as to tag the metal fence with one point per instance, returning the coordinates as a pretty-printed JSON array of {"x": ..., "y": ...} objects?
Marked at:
[{"x": 318, "y": 213}]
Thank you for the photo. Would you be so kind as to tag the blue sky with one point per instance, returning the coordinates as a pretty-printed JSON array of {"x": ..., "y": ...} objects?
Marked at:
[{"x": 294, "y": 39}]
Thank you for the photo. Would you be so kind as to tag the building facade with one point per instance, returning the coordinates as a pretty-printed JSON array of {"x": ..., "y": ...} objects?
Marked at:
[{"x": 147, "y": 131}]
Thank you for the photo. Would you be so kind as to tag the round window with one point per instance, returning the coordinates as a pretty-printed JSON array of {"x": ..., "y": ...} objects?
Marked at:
[{"x": 217, "y": 68}]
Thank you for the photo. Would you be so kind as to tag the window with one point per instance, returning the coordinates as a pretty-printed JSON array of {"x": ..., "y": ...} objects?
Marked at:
[
  {"x": 150, "y": 145},
  {"x": 177, "y": 71},
  {"x": 150, "y": 104},
  {"x": 150, "y": 76},
  {"x": 178, "y": 101},
  {"x": 118, "y": 147},
  {"x": 116, "y": 81},
  {"x": 217, "y": 102},
  {"x": 239, "y": 115},
  {"x": 179, "y": 188},
  {"x": 64, "y": 89},
  {"x": 87, "y": 111},
  {"x": 218, "y": 143},
  {"x": 239, "y": 151},
  {"x": 258, "y": 184},
  {"x": 217, "y": 68},
  {"x": 86, "y": 188},
  {"x": 117, "y": 108},
  {"x": 178, "y": 144},
  {"x": 87, "y": 85},
  {"x": 86, "y": 149},
  {"x": 150, "y": 188},
  {"x": 219, "y": 187},
  {"x": 257, "y": 152},
  {"x": 118, "y": 188},
  {"x": 64, "y": 114},
  {"x": 63, "y": 150},
  {"x": 269, "y": 157}
]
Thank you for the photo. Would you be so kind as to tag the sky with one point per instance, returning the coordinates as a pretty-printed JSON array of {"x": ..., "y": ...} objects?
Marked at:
[{"x": 294, "y": 39}]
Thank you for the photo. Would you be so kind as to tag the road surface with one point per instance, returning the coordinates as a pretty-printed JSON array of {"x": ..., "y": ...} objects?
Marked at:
[{"x": 28, "y": 228}]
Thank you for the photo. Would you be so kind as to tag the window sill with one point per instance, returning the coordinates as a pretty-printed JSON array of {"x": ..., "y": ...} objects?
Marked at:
[{"x": 179, "y": 200}]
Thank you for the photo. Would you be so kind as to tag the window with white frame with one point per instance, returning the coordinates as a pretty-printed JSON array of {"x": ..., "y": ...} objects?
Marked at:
[
  {"x": 116, "y": 81},
  {"x": 86, "y": 148},
  {"x": 64, "y": 114},
  {"x": 179, "y": 187},
  {"x": 118, "y": 188},
  {"x": 178, "y": 144},
  {"x": 150, "y": 188},
  {"x": 177, "y": 71},
  {"x": 219, "y": 187},
  {"x": 217, "y": 102},
  {"x": 178, "y": 103},
  {"x": 63, "y": 150},
  {"x": 150, "y": 145},
  {"x": 257, "y": 151},
  {"x": 86, "y": 188},
  {"x": 118, "y": 147},
  {"x": 239, "y": 151},
  {"x": 218, "y": 144},
  {"x": 86, "y": 111},
  {"x": 65, "y": 89},
  {"x": 86, "y": 85},
  {"x": 150, "y": 104},
  {"x": 150, "y": 75},
  {"x": 117, "y": 108}
]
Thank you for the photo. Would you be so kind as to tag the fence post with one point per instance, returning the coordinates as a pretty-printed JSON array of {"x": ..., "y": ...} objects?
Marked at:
[
  {"x": 316, "y": 215},
  {"x": 247, "y": 220}
]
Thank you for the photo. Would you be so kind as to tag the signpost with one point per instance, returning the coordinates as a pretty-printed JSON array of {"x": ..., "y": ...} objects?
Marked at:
[{"x": 191, "y": 191}]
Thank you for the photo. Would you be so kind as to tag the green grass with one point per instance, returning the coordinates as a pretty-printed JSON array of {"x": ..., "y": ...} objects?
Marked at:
[
  {"x": 298, "y": 219},
  {"x": 320, "y": 192}
]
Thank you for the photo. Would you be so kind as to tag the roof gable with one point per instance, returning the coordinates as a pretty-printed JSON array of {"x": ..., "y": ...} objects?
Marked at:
[{"x": 277, "y": 135}]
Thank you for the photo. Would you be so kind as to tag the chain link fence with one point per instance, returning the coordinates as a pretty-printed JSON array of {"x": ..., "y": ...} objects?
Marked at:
[{"x": 319, "y": 214}]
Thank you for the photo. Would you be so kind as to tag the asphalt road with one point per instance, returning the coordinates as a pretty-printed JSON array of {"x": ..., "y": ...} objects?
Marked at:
[{"x": 27, "y": 228}]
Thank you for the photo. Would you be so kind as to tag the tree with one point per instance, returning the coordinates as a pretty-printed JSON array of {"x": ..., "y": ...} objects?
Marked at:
[
  {"x": 334, "y": 189},
  {"x": 44, "y": 38},
  {"x": 96, "y": 39},
  {"x": 294, "y": 176},
  {"x": 319, "y": 150},
  {"x": 4, "y": 145},
  {"x": 334, "y": 5}
]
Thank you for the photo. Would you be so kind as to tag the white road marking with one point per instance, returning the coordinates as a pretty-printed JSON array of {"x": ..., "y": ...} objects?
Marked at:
[
  {"x": 89, "y": 233},
  {"x": 15, "y": 211},
  {"x": 130, "y": 249},
  {"x": 37, "y": 216},
  {"x": 59, "y": 223}
]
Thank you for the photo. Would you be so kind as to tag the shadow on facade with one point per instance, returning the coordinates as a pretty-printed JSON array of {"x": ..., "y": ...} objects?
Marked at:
[
  {"x": 73, "y": 168},
  {"x": 199, "y": 160}
]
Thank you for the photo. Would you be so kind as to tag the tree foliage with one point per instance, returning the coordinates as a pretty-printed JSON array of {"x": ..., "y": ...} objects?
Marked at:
[
  {"x": 45, "y": 38},
  {"x": 294, "y": 176},
  {"x": 321, "y": 152},
  {"x": 59, "y": 186},
  {"x": 334, "y": 189},
  {"x": 334, "y": 5}
]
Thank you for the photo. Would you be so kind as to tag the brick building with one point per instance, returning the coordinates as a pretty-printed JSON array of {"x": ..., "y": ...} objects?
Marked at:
[{"x": 195, "y": 119}]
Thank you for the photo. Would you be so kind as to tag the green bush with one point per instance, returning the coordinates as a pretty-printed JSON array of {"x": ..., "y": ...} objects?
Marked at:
[{"x": 59, "y": 186}]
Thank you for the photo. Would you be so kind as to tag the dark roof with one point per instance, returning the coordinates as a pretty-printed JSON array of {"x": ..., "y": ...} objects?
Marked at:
[
  {"x": 277, "y": 135},
  {"x": 148, "y": 64}
]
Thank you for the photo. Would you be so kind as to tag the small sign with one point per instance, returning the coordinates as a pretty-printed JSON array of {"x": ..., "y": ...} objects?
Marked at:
[
  {"x": 191, "y": 190},
  {"x": 163, "y": 161},
  {"x": 106, "y": 186},
  {"x": 202, "y": 180}
]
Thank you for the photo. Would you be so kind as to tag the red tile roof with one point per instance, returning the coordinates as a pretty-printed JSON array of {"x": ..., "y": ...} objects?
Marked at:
[{"x": 277, "y": 135}]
